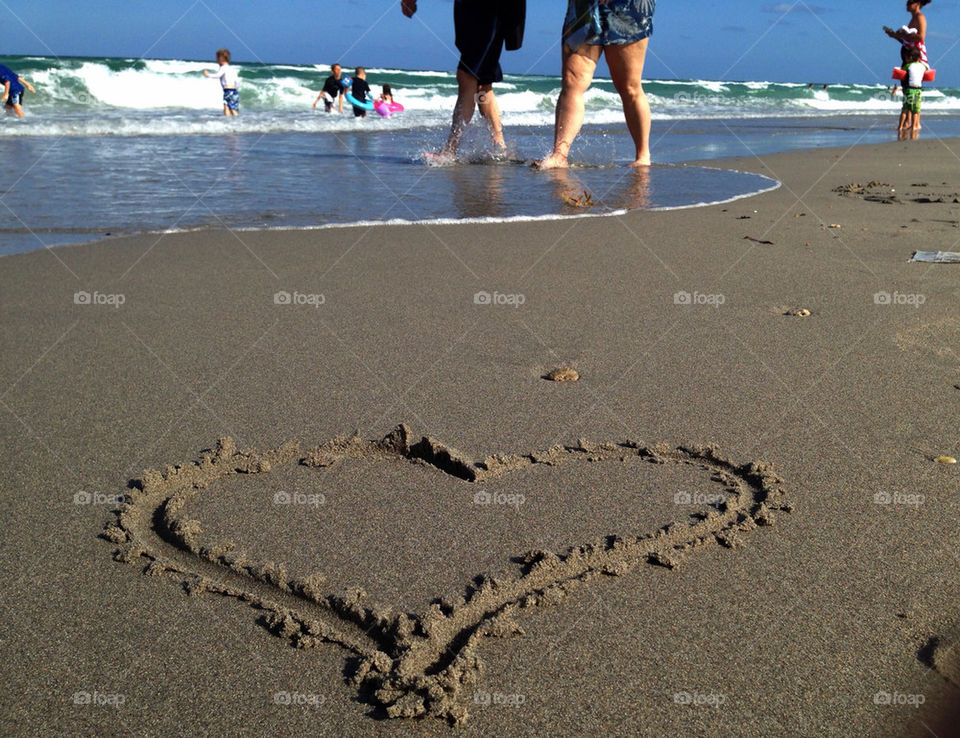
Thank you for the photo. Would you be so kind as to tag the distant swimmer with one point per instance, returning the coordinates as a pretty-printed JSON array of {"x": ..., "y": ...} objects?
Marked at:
[
  {"x": 331, "y": 91},
  {"x": 13, "y": 89},
  {"x": 229, "y": 80},
  {"x": 385, "y": 104}
]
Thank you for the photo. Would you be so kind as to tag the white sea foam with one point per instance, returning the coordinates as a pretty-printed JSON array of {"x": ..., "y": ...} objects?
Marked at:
[{"x": 106, "y": 97}]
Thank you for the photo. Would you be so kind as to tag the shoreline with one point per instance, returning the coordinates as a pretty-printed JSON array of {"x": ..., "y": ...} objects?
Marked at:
[
  {"x": 812, "y": 618},
  {"x": 443, "y": 221},
  {"x": 301, "y": 180}
]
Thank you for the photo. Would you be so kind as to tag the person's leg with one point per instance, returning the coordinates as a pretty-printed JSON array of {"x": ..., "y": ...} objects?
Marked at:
[
  {"x": 18, "y": 110},
  {"x": 471, "y": 95},
  {"x": 626, "y": 71},
  {"x": 480, "y": 41},
  {"x": 487, "y": 105},
  {"x": 467, "y": 88},
  {"x": 578, "y": 69}
]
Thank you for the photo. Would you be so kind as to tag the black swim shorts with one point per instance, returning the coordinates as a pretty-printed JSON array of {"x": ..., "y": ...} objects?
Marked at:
[{"x": 482, "y": 27}]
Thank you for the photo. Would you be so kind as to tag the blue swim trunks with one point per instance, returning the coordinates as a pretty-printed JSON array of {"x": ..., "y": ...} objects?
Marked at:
[
  {"x": 231, "y": 98},
  {"x": 607, "y": 24},
  {"x": 15, "y": 98}
]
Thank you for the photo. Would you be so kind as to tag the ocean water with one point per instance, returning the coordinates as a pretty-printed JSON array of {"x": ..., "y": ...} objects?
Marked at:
[{"x": 121, "y": 145}]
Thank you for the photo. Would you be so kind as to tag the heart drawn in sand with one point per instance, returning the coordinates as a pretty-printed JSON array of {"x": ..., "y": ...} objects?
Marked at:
[{"x": 415, "y": 664}]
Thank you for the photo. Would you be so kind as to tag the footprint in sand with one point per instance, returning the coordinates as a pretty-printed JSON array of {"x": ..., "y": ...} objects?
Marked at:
[
  {"x": 936, "y": 343},
  {"x": 415, "y": 664}
]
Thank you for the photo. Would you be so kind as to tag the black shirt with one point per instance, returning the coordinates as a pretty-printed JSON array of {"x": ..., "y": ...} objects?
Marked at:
[
  {"x": 332, "y": 86},
  {"x": 360, "y": 89}
]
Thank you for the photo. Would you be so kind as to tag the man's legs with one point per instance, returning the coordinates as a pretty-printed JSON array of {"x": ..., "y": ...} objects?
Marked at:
[{"x": 470, "y": 96}]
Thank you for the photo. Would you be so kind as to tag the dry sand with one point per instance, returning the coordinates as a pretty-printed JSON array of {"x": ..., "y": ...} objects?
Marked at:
[{"x": 732, "y": 523}]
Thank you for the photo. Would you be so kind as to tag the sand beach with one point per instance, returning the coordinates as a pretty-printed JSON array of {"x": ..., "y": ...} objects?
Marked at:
[{"x": 315, "y": 482}]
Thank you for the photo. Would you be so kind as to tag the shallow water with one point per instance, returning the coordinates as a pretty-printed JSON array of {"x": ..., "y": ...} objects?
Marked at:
[{"x": 57, "y": 190}]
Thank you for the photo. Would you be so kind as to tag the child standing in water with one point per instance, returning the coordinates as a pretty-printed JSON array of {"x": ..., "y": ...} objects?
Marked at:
[
  {"x": 360, "y": 91},
  {"x": 228, "y": 81},
  {"x": 912, "y": 92}
]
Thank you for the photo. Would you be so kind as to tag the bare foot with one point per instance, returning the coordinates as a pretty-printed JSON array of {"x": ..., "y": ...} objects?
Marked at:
[
  {"x": 439, "y": 159},
  {"x": 554, "y": 161},
  {"x": 643, "y": 161}
]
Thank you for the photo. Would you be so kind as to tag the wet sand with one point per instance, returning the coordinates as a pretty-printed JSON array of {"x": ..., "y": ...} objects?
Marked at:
[{"x": 317, "y": 480}]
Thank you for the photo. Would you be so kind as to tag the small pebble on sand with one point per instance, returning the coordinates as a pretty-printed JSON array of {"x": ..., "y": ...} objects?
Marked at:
[{"x": 563, "y": 374}]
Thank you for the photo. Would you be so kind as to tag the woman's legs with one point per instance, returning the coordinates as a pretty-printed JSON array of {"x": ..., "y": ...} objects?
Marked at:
[
  {"x": 578, "y": 69},
  {"x": 626, "y": 71}
]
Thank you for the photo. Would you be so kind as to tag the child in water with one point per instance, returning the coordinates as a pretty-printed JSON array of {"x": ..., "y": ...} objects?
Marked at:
[
  {"x": 360, "y": 91},
  {"x": 228, "y": 81},
  {"x": 912, "y": 91},
  {"x": 13, "y": 89},
  {"x": 386, "y": 94}
]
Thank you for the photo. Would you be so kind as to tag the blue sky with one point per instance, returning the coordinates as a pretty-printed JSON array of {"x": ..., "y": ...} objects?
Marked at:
[{"x": 693, "y": 39}]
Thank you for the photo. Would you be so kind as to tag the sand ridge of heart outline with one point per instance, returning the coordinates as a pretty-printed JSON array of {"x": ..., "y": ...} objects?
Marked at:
[{"x": 411, "y": 665}]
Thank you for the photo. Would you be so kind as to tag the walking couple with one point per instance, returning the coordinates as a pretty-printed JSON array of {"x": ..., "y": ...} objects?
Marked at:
[{"x": 618, "y": 29}]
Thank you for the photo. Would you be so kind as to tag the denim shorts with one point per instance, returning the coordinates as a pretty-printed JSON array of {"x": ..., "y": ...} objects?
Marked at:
[
  {"x": 231, "y": 98},
  {"x": 607, "y": 24}
]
